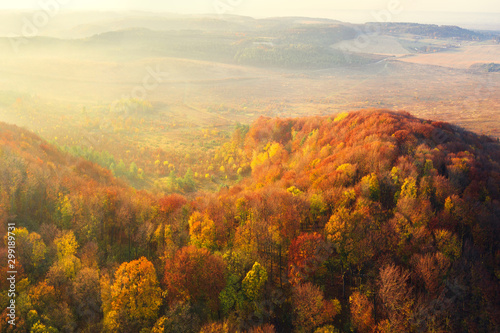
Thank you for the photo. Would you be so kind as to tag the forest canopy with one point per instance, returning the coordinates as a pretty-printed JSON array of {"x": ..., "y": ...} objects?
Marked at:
[{"x": 368, "y": 221}]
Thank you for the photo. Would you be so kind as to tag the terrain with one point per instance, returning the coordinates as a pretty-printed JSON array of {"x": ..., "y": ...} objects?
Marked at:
[
  {"x": 368, "y": 220},
  {"x": 220, "y": 173},
  {"x": 147, "y": 88}
]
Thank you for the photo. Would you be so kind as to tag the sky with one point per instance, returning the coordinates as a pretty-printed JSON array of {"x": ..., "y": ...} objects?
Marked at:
[
  {"x": 264, "y": 7},
  {"x": 459, "y": 12}
]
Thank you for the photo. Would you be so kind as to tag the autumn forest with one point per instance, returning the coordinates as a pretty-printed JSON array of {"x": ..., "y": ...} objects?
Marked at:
[{"x": 370, "y": 220}]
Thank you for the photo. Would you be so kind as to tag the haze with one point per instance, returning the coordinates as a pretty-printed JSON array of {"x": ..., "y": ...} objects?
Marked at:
[
  {"x": 266, "y": 8},
  {"x": 484, "y": 13},
  {"x": 140, "y": 79}
]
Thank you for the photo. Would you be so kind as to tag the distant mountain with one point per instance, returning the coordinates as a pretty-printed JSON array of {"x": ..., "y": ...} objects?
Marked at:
[
  {"x": 283, "y": 42},
  {"x": 84, "y": 24},
  {"x": 429, "y": 30}
]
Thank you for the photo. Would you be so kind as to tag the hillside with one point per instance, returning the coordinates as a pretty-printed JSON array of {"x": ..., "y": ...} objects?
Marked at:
[
  {"x": 285, "y": 42},
  {"x": 432, "y": 31},
  {"x": 368, "y": 220}
]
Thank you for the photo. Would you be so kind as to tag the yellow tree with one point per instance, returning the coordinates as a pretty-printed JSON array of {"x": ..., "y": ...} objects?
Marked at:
[
  {"x": 362, "y": 312},
  {"x": 66, "y": 249},
  {"x": 134, "y": 297},
  {"x": 202, "y": 231},
  {"x": 66, "y": 245}
]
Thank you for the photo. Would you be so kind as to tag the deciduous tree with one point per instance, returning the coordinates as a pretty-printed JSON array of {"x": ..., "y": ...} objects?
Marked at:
[
  {"x": 194, "y": 275},
  {"x": 135, "y": 297}
]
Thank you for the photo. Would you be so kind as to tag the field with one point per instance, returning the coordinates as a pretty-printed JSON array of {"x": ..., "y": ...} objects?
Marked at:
[
  {"x": 462, "y": 58},
  {"x": 201, "y": 93}
]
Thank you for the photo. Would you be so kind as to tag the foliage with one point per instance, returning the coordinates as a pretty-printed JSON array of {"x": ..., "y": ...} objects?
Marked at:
[
  {"x": 135, "y": 297},
  {"x": 311, "y": 309},
  {"x": 194, "y": 275},
  {"x": 202, "y": 231},
  {"x": 180, "y": 317},
  {"x": 370, "y": 223},
  {"x": 362, "y": 311},
  {"x": 306, "y": 255},
  {"x": 254, "y": 282}
]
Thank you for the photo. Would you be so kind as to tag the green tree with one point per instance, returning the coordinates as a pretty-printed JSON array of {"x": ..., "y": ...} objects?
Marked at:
[
  {"x": 188, "y": 183},
  {"x": 133, "y": 170},
  {"x": 254, "y": 282},
  {"x": 39, "y": 249}
]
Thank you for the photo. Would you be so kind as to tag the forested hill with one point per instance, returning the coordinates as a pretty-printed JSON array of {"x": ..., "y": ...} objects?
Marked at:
[{"x": 363, "y": 221}]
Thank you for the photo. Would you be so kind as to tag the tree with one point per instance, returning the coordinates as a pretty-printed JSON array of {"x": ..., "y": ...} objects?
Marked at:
[
  {"x": 52, "y": 310},
  {"x": 67, "y": 262},
  {"x": 431, "y": 268},
  {"x": 121, "y": 169},
  {"x": 306, "y": 255},
  {"x": 43, "y": 297},
  {"x": 448, "y": 243},
  {"x": 219, "y": 327},
  {"x": 133, "y": 170},
  {"x": 202, "y": 230},
  {"x": 362, "y": 312},
  {"x": 179, "y": 318},
  {"x": 351, "y": 234},
  {"x": 238, "y": 264},
  {"x": 188, "y": 183},
  {"x": 66, "y": 245},
  {"x": 171, "y": 203},
  {"x": 370, "y": 187},
  {"x": 24, "y": 248},
  {"x": 254, "y": 282},
  {"x": 39, "y": 327},
  {"x": 65, "y": 212},
  {"x": 194, "y": 275},
  {"x": 135, "y": 297},
  {"x": 317, "y": 207},
  {"x": 409, "y": 188},
  {"x": 39, "y": 249},
  {"x": 87, "y": 296},
  {"x": 396, "y": 296},
  {"x": 310, "y": 308}
]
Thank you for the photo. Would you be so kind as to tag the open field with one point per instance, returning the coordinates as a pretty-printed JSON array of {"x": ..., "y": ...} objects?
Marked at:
[
  {"x": 385, "y": 45},
  {"x": 196, "y": 95},
  {"x": 463, "y": 57},
  {"x": 199, "y": 94}
]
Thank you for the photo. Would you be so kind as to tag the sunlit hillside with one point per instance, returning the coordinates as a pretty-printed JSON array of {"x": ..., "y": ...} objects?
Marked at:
[{"x": 363, "y": 220}]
